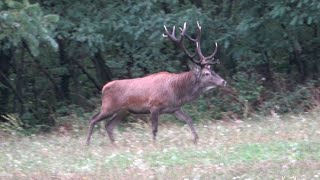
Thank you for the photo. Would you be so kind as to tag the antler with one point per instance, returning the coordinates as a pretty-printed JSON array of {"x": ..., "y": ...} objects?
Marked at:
[
  {"x": 209, "y": 60},
  {"x": 179, "y": 40}
]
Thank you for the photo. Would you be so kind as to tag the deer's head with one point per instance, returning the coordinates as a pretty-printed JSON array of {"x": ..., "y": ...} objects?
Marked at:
[{"x": 207, "y": 77}]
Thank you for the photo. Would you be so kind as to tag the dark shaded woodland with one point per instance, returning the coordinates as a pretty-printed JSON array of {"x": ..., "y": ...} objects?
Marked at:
[{"x": 55, "y": 56}]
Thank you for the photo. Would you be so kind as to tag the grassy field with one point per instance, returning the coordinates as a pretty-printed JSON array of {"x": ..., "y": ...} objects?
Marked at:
[{"x": 261, "y": 148}]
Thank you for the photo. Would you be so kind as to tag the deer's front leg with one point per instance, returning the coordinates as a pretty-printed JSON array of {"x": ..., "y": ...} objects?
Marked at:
[
  {"x": 154, "y": 121},
  {"x": 185, "y": 117}
]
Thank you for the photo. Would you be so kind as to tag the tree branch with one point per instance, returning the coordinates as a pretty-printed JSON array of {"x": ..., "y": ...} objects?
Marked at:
[{"x": 88, "y": 75}]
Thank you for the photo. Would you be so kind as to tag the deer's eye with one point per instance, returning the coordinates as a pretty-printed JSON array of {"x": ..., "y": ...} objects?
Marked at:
[{"x": 206, "y": 74}]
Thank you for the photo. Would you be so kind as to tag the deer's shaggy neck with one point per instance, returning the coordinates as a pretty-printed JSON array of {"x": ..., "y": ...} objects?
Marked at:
[{"x": 186, "y": 86}]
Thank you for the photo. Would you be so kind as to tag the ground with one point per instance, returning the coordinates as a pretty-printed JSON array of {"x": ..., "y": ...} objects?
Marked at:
[{"x": 286, "y": 147}]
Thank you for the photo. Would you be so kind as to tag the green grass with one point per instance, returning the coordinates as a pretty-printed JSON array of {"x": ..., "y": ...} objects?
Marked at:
[{"x": 263, "y": 148}]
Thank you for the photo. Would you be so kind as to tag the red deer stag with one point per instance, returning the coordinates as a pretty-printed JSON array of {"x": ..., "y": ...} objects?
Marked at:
[{"x": 159, "y": 93}]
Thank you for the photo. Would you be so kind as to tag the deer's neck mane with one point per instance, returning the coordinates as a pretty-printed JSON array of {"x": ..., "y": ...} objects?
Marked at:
[{"x": 186, "y": 86}]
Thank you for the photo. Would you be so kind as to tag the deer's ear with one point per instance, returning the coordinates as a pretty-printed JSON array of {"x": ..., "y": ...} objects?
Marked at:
[
  {"x": 196, "y": 70},
  {"x": 194, "y": 67}
]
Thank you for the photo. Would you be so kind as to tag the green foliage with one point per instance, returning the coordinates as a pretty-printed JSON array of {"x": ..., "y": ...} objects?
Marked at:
[
  {"x": 249, "y": 87},
  {"x": 25, "y": 23},
  {"x": 25, "y": 28},
  {"x": 50, "y": 63},
  {"x": 300, "y": 99}
]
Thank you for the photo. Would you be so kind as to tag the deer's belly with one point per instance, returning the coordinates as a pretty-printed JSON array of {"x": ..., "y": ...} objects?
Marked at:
[{"x": 139, "y": 111}]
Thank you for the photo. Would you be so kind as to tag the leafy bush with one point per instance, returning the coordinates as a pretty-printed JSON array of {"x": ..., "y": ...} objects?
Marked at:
[
  {"x": 301, "y": 98},
  {"x": 52, "y": 64}
]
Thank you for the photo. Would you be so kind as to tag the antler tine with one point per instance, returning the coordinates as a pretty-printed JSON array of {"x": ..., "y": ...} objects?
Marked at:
[
  {"x": 198, "y": 51},
  {"x": 174, "y": 31},
  {"x": 179, "y": 41},
  {"x": 183, "y": 33},
  {"x": 183, "y": 30},
  {"x": 211, "y": 57},
  {"x": 190, "y": 38},
  {"x": 209, "y": 60},
  {"x": 196, "y": 40},
  {"x": 170, "y": 36},
  {"x": 199, "y": 27},
  {"x": 198, "y": 44}
]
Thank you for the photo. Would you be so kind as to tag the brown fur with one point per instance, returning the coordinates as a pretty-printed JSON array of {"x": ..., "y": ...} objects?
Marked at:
[{"x": 156, "y": 94}]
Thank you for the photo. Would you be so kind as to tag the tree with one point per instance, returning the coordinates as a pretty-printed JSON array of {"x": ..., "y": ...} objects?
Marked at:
[
  {"x": 25, "y": 30},
  {"x": 50, "y": 63}
]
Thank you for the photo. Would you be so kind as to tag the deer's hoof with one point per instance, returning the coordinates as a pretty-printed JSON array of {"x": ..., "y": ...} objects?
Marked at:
[{"x": 195, "y": 140}]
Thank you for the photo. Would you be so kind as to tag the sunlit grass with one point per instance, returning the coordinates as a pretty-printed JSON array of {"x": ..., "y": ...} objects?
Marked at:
[{"x": 263, "y": 148}]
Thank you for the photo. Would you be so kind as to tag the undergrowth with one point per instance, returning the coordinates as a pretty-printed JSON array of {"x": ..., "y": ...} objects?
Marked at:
[{"x": 256, "y": 148}]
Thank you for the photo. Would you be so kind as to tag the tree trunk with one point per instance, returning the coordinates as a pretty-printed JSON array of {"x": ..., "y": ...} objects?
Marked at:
[
  {"x": 19, "y": 81},
  {"x": 227, "y": 8},
  {"x": 84, "y": 71},
  {"x": 267, "y": 71},
  {"x": 75, "y": 90},
  {"x": 198, "y": 3},
  {"x": 65, "y": 78},
  {"x": 45, "y": 72},
  {"x": 315, "y": 53},
  {"x": 4, "y": 91},
  {"x": 103, "y": 72}
]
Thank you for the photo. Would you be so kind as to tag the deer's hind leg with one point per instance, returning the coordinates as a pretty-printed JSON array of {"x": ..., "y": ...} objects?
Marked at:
[
  {"x": 103, "y": 114},
  {"x": 115, "y": 120}
]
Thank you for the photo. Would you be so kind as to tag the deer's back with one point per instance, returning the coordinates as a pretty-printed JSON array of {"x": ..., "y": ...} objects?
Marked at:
[{"x": 140, "y": 94}]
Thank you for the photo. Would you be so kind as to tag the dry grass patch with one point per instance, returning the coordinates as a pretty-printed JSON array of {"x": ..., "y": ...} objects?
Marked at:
[{"x": 264, "y": 147}]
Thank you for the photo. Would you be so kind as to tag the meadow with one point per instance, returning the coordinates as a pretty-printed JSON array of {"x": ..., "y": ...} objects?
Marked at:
[{"x": 274, "y": 147}]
